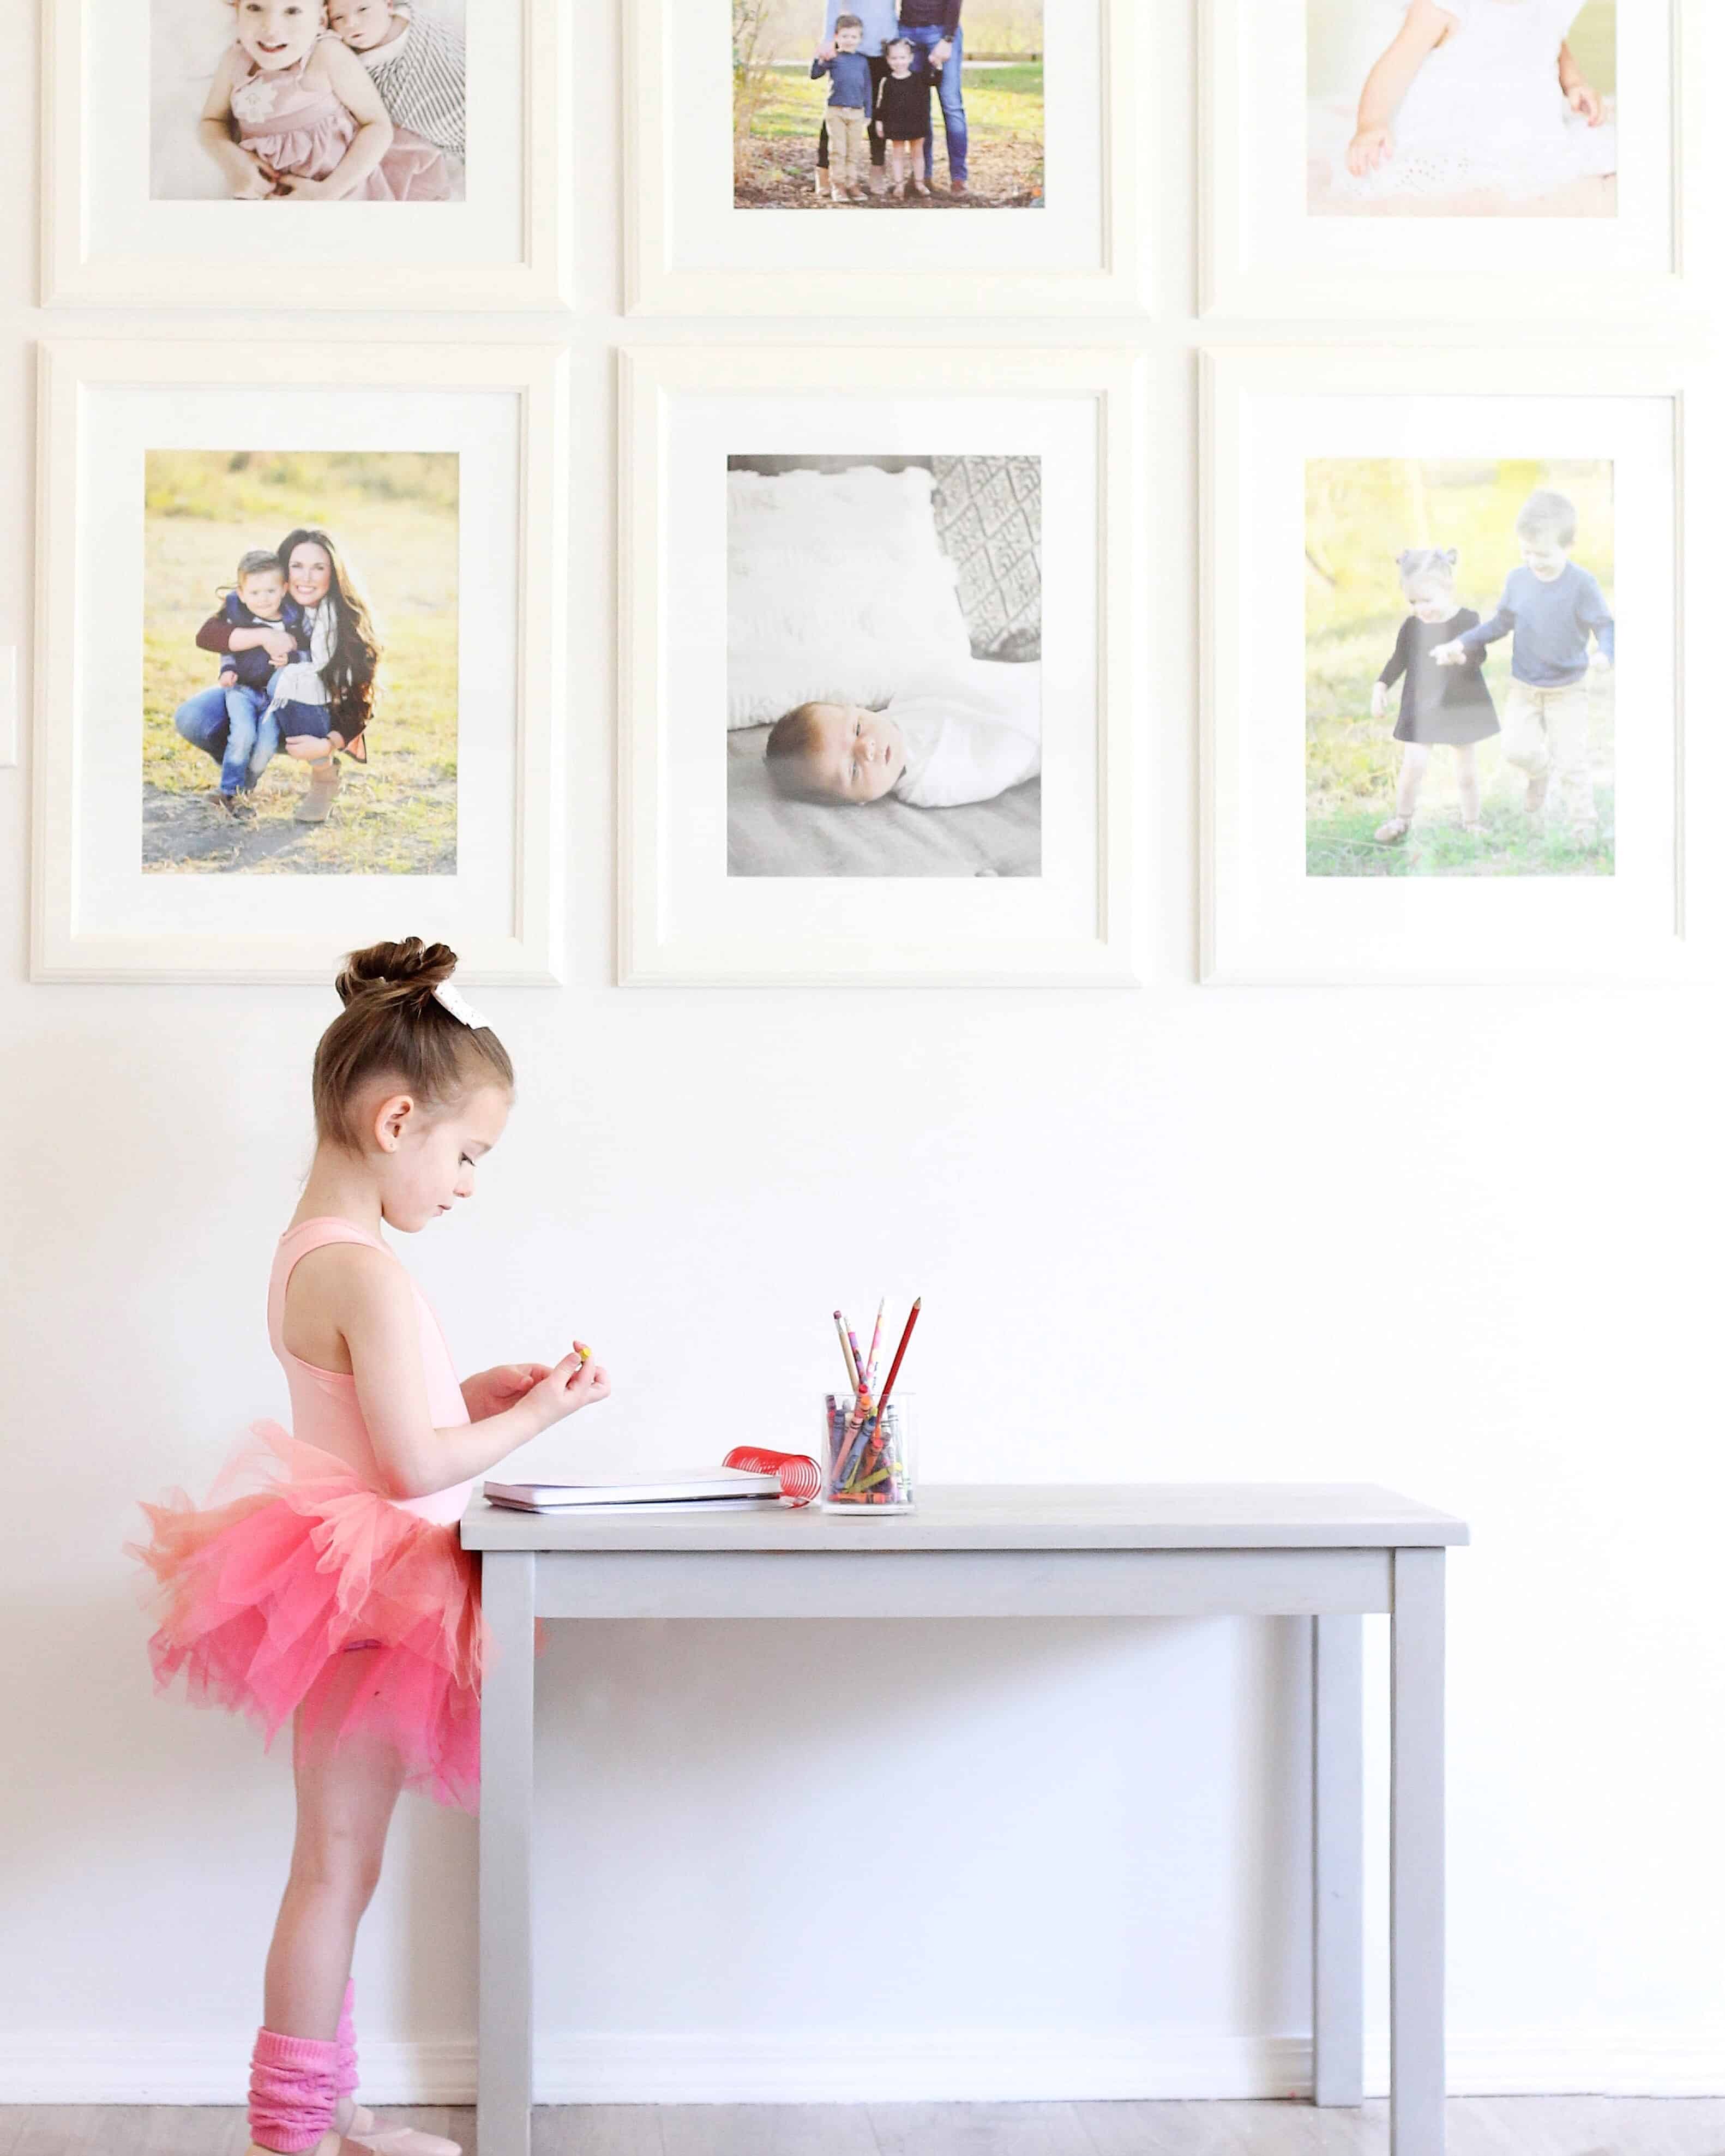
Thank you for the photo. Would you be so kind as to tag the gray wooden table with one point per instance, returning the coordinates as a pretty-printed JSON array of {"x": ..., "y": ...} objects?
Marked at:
[{"x": 1330, "y": 1552}]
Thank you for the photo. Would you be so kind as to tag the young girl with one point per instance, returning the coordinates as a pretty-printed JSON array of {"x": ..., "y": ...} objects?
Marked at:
[
  {"x": 291, "y": 111},
  {"x": 1439, "y": 704},
  {"x": 338, "y": 1593},
  {"x": 1477, "y": 95},
  {"x": 901, "y": 118}
]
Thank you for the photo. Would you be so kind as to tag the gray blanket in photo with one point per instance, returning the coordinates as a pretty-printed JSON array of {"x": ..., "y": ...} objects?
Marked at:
[{"x": 772, "y": 836}]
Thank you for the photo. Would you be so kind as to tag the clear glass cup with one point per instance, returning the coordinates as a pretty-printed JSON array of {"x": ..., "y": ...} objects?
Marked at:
[{"x": 865, "y": 1468}]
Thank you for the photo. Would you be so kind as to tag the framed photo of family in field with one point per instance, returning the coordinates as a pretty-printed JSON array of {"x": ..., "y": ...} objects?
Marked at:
[
  {"x": 877, "y": 658},
  {"x": 1426, "y": 158},
  {"x": 306, "y": 154},
  {"x": 1444, "y": 729},
  {"x": 966, "y": 156},
  {"x": 299, "y": 658}
]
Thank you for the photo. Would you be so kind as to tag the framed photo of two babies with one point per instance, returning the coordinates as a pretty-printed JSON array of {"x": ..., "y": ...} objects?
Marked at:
[
  {"x": 1424, "y": 158},
  {"x": 305, "y": 153}
]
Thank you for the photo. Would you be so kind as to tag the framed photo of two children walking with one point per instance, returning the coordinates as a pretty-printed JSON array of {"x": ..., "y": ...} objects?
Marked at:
[
  {"x": 1454, "y": 727},
  {"x": 306, "y": 154}
]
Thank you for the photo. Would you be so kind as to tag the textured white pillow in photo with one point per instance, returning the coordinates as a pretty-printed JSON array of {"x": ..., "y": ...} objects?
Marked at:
[{"x": 838, "y": 590}]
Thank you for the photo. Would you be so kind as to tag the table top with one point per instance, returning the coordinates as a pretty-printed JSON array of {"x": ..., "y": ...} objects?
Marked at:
[{"x": 1007, "y": 1515}]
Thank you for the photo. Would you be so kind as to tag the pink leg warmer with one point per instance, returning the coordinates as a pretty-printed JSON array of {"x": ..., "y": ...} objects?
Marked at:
[
  {"x": 347, "y": 2067},
  {"x": 293, "y": 2090}
]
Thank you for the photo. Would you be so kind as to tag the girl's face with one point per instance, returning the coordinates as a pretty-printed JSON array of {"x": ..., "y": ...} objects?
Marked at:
[
  {"x": 428, "y": 1157},
  {"x": 1433, "y": 602},
  {"x": 362, "y": 25},
  {"x": 898, "y": 58},
  {"x": 278, "y": 33},
  {"x": 308, "y": 572}
]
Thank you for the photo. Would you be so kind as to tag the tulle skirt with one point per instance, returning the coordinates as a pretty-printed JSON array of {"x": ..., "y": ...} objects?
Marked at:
[{"x": 263, "y": 1598}]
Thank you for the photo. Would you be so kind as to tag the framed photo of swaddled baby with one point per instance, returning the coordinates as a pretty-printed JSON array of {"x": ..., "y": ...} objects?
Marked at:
[
  {"x": 877, "y": 653},
  {"x": 963, "y": 156},
  {"x": 298, "y": 657},
  {"x": 306, "y": 154},
  {"x": 1418, "y": 158},
  {"x": 1447, "y": 671}
]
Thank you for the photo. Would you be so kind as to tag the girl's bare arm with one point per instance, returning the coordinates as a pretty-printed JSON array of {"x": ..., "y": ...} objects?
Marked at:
[
  {"x": 215, "y": 132},
  {"x": 357, "y": 1306},
  {"x": 1577, "y": 91},
  {"x": 347, "y": 77},
  {"x": 1391, "y": 77}
]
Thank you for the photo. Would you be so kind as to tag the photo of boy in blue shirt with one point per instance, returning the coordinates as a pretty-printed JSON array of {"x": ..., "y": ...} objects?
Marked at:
[
  {"x": 848, "y": 108},
  {"x": 1553, "y": 608}
]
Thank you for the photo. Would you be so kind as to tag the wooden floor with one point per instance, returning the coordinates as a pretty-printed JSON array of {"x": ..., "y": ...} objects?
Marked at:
[{"x": 1479, "y": 2126}]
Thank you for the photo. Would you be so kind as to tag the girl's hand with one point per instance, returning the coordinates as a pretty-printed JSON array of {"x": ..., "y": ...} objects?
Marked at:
[
  {"x": 1380, "y": 700},
  {"x": 278, "y": 645},
  {"x": 881, "y": 127},
  {"x": 257, "y": 186},
  {"x": 1371, "y": 147},
  {"x": 303, "y": 190},
  {"x": 492, "y": 1391},
  {"x": 1449, "y": 655},
  {"x": 1586, "y": 100},
  {"x": 576, "y": 1381}
]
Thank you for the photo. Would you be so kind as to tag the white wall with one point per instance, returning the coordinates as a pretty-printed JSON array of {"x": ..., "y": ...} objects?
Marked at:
[{"x": 1463, "y": 1243}]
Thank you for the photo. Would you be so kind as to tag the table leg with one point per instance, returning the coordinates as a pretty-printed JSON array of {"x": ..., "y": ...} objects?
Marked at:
[
  {"x": 1337, "y": 1865},
  {"x": 505, "y": 1910},
  {"x": 1416, "y": 1855}
]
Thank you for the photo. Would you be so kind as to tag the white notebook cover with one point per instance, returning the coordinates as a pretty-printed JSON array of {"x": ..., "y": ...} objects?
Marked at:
[{"x": 664, "y": 1486}]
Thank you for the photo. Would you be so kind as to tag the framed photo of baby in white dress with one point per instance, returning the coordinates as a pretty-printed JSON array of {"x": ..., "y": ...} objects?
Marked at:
[
  {"x": 877, "y": 655},
  {"x": 974, "y": 156},
  {"x": 1447, "y": 671},
  {"x": 298, "y": 155},
  {"x": 1422, "y": 158},
  {"x": 300, "y": 629}
]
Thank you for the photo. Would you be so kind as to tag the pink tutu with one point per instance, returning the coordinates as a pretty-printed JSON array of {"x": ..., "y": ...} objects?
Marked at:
[{"x": 257, "y": 1597}]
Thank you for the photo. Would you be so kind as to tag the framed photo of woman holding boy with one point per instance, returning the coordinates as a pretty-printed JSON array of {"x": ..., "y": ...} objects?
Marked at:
[
  {"x": 877, "y": 664},
  {"x": 298, "y": 657},
  {"x": 1447, "y": 679},
  {"x": 1425, "y": 157},
  {"x": 310, "y": 154},
  {"x": 994, "y": 145}
]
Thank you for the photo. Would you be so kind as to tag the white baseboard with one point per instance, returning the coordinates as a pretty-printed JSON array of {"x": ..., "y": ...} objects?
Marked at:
[{"x": 966, "y": 2066}]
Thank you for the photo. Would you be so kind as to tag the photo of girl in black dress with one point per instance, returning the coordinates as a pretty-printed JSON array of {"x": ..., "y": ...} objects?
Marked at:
[
  {"x": 902, "y": 117},
  {"x": 1449, "y": 706}
]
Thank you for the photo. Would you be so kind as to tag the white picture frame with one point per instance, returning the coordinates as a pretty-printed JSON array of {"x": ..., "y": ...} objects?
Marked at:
[
  {"x": 103, "y": 406},
  {"x": 690, "y": 251},
  {"x": 1264, "y": 919},
  {"x": 1263, "y": 256},
  {"x": 682, "y": 919},
  {"x": 104, "y": 240}
]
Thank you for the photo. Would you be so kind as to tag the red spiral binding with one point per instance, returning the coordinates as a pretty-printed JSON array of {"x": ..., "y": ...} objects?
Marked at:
[{"x": 798, "y": 1476}]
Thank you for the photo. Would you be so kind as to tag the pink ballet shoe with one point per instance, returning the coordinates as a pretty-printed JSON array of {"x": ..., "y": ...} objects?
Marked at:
[{"x": 364, "y": 2131}]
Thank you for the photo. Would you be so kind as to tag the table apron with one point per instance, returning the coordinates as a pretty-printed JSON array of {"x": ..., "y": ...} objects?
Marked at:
[{"x": 714, "y": 1583}]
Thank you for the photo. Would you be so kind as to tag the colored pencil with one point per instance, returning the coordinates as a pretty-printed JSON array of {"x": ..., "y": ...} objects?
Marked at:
[
  {"x": 862, "y": 1369},
  {"x": 903, "y": 1341},
  {"x": 874, "y": 1346},
  {"x": 843, "y": 1331}
]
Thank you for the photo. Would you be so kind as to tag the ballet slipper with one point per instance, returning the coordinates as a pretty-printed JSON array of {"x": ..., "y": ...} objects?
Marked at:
[{"x": 365, "y": 2131}]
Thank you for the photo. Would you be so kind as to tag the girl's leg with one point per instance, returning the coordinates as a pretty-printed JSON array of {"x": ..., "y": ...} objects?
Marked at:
[
  {"x": 1468, "y": 784},
  {"x": 1415, "y": 756},
  {"x": 345, "y": 1799}
]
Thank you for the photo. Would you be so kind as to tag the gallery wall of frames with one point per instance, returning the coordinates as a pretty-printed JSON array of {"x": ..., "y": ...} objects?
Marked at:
[{"x": 892, "y": 491}]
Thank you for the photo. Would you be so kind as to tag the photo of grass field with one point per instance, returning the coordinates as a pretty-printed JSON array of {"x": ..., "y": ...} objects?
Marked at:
[
  {"x": 777, "y": 109},
  {"x": 1361, "y": 514},
  {"x": 394, "y": 515}
]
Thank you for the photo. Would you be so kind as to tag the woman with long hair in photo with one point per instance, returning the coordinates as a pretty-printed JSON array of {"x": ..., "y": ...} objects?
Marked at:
[{"x": 318, "y": 707}]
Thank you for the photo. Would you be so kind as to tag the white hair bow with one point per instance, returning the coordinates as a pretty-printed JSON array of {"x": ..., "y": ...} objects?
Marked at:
[{"x": 457, "y": 1005}]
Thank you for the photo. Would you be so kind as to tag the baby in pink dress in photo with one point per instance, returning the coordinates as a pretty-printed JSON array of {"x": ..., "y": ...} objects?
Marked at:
[{"x": 291, "y": 112}]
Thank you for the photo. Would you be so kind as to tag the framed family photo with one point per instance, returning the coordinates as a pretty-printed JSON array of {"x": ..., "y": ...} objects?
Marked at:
[
  {"x": 300, "y": 658},
  {"x": 877, "y": 666},
  {"x": 306, "y": 154},
  {"x": 1444, "y": 730},
  {"x": 1420, "y": 158},
  {"x": 967, "y": 157}
]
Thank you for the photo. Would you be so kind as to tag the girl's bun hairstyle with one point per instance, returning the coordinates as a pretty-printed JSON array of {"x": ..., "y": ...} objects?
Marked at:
[{"x": 391, "y": 1026}]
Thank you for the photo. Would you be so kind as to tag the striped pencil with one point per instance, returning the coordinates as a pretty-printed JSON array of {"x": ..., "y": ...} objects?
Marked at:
[
  {"x": 875, "y": 1345},
  {"x": 844, "y": 1333}
]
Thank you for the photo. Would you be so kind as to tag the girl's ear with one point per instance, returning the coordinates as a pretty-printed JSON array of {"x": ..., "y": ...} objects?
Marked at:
[
  {"x": 390, "y": 1120},
  {"x": 1450, "y": 557}
]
